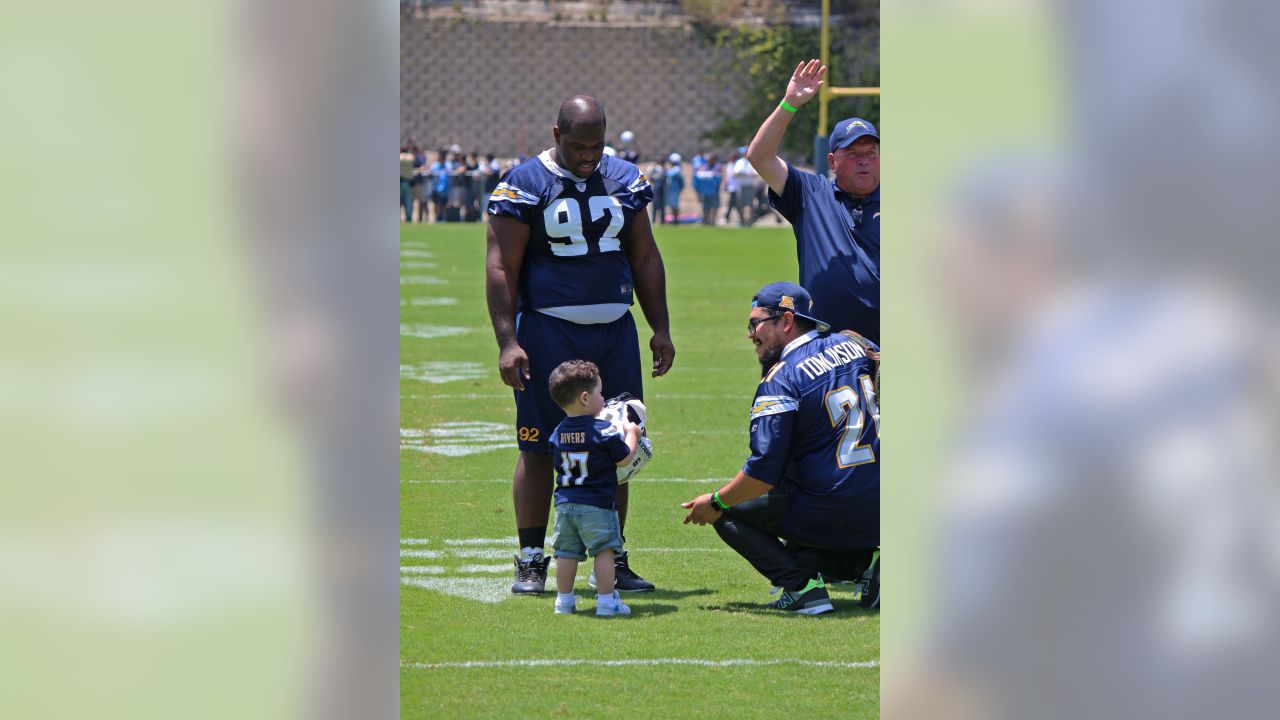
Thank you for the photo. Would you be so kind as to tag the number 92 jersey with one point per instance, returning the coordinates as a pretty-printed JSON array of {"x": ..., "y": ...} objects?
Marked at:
[{"x": 574, "y": 256}]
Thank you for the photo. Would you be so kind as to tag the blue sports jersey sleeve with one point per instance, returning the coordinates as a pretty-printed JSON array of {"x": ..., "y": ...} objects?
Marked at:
[
  {"x": 614, "y": 445},
  {"x": 795, "y": 193},
  {"x": 773, "y": 419},
  {"x": 637, "y": 190},
  {"x": 516, "y": 195}
]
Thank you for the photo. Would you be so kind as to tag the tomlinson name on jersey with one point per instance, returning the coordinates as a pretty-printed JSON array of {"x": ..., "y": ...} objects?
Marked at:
[{"x": 831, "y": 358}]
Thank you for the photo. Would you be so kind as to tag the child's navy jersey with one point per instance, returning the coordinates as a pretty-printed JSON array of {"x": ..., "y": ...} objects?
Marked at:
[
  {"x": 815, "y": 430},
  {"x": 575, "y": 255},
  {"x": 586, "y": 452}
]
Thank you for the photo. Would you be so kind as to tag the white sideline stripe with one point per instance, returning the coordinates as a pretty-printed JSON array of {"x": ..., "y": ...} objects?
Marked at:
[
  {"x": 415, "y": 541},
  {"x": 671, "y": 550},
  {"x": 640, "y": 479},
  {"x": 503, "y": 541},
  {"x": 437, "y": 554},
  {"x": 485, "y": 590},
  {"x": 506, "y": 392},
  {"x": 424, "y": 569},
  {"x": 422, "y": 280},
  {"x": 566, "y": 662},
  {"x": 503, "y": 568},
  {"x": 485, "y": 554},
  {"x": 505, "y": 554}
]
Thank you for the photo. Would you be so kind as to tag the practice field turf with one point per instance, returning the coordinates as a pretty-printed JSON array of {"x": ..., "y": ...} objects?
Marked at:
[{"x": 701, "y": 646}]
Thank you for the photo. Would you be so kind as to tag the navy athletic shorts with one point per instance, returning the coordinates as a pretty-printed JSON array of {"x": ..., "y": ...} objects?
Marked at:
[{"x": 549, "y": 341}]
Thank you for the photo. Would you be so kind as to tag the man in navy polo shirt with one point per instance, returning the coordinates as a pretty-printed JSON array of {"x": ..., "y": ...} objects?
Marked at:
[{"x": 836, "y": 223}]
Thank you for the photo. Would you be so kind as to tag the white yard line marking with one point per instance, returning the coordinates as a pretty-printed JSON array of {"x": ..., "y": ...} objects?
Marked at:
[
  {"x": 692, "y": 396},
  {"x": 445, "y": 372},
  {"x": 640, "y": 479},
  {"x": 423, "y": 569},
  {"x": 415, "y": 541},
  {"x": 506, "y": 393},
  {"x": 503, "y": 541},
  {"x": 498, "y": 394},
  {"x": 422, "y": 280},
  {"x": 632, "y": 548},
  {"x": 421, "y": 554},
  {"x": 485, "y": 590},
  {"x": 428, "y": 301},
  {"x": 568, "y": 662},
  {"x": 431, "y": 332},
  {"x": 485, "y": 554},
  {"x": 457, "y": 439},
  {"x": 455, "y": 450},
  {"x": 503, "y": 568}
]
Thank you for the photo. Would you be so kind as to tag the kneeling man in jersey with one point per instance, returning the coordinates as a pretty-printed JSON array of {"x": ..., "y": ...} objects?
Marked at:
[{"x": 807, "y": 502}]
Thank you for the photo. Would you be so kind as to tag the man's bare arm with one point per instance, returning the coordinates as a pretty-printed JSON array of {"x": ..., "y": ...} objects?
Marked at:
[
  {"x": 650, "y": 278},
  {"x": 740, "y": 489},
  {"x": 507, "y": 240},
  {"x": 763, "y": 151}
]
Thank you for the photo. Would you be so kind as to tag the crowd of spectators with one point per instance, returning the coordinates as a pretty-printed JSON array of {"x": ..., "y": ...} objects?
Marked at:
[
  {"x": 454, "y": 186},
  {"x": 732, "y": 185}
]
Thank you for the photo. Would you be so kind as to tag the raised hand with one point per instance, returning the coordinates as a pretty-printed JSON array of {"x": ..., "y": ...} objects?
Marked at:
[{"x": 805, "y": 82}]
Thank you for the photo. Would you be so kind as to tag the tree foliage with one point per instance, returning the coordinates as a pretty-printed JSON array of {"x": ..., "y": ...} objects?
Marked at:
[{"x": 760, "y": 60}]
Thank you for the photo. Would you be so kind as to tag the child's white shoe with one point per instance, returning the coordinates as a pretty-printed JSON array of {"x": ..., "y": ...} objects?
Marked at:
[
  {"x": 566, "y": 605},
  {"x": 610, "y": 605}
]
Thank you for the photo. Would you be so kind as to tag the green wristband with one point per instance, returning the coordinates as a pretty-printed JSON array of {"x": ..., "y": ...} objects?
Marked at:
[
  {"x": 717, "y": 503},
  {"x": 787, "y": 107}
]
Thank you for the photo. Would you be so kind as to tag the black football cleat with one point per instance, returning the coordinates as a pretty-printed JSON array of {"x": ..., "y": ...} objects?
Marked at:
[
  {"x": 624, "y": 579},
  {"x": 870, "y": 585}
]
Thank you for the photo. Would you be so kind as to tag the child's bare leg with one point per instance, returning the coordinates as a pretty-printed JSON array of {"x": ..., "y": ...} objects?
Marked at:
[
  {"x": 567, "y": 570},
  {"x": 604, "y": 572}
]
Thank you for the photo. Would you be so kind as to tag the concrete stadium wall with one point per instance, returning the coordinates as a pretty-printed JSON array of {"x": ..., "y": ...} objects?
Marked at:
[{"x": 480, "y": 84}]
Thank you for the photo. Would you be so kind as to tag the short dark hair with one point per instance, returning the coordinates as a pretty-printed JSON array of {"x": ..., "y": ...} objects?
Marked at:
[
  {"x": 804, "y": 325},
  {"x": 580, "y": 110},
  {"x": 570, "y": 379}
]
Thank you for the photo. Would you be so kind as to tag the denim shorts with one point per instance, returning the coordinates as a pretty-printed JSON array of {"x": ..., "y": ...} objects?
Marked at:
[{"x": 583, "y": 530}]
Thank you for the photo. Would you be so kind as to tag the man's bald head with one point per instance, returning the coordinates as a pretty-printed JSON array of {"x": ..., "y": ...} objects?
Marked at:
[{"x": 580, "y": 111}]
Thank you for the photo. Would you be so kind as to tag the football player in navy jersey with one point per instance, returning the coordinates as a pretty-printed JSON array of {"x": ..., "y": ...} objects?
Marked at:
[
  {"x": 813, "y": 478},
  {"x": 569, "y": 247}
]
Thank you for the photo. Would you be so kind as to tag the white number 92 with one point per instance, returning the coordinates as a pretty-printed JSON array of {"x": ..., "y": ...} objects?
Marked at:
[{"x": 563, "y": 221}]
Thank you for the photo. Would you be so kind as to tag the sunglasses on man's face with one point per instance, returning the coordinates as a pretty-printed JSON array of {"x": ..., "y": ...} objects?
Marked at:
[{"x": 754, "y": 323}]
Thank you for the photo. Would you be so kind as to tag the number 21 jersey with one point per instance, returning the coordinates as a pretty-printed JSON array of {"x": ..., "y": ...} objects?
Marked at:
[{"x": 574, "y": 256}]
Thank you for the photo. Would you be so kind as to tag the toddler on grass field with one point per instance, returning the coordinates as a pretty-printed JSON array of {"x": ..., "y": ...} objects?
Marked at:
[{"x": 587, "y": 453}]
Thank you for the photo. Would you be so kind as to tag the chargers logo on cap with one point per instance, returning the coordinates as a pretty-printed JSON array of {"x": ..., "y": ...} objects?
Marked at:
[
  {"x": 854, "y": 124},
  {"x": 787, "y": 302}
]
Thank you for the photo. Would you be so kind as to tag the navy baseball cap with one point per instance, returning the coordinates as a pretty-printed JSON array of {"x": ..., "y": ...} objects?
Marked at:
[
  {"x": 790, "y": 297},
  {"x": 848, "y": 130}
]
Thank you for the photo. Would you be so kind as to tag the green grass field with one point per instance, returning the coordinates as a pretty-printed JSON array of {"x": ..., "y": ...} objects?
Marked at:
[{"x": 701, "y": 646}]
